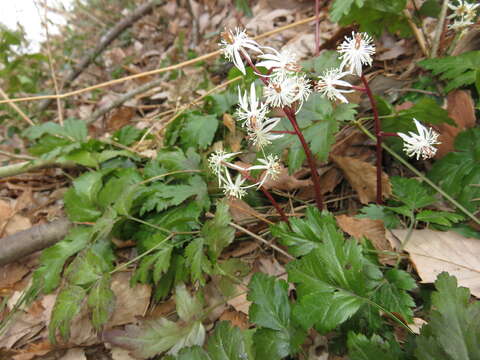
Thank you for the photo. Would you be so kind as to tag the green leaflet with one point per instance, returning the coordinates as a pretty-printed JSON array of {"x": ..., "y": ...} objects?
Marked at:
[
  {"x": 197, "y": 259},
  {"x": 127, "y": 135},
  {"x": 458, "y": 173},
  {"x": 47, "y": 275},
  {"x": 67, "y": 305},
  {"x": 362, "y": 348},
  {"x": 377, "y": 212},
  {"x": 412, "y": 193},
  {"x": 270, "y": 309},
  {"x": 453, "y": 332},
  {"x": 459, "y": 70},
  {"x": 101, "y": 302},
  {"x": 217, "y": 232},
  {"x": 227, "y": 343},
  {"x": 160, "y": 335},
  {"x": 198, "y": 130},
  {"x": 342, "y": 7}
]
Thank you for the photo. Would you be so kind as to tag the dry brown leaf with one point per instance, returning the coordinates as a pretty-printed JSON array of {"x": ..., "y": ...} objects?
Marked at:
[
  {"x": 285, "y": 181},
  {"x": 121, "y": 354},
  {"x": 329, "y": 180},
  {"x": 10, "y": 221},
  {"x": 131, "y": 302},
  {"x": 417, "y": 325},
  {"x": 236, "y": 318},
  {"x": 120, "y": 117},
  {"x": 240, "y": 210},
  {"x": 373, "y": 230},
  {"x": 33, "y": 350},
  {"x": 362, "y": 176},
  {"x": 461, "y": 109},
  {"x": 12, "y": 273},
  {"x": 432, "y": 252},
  {"x": 240, "y": 302}
]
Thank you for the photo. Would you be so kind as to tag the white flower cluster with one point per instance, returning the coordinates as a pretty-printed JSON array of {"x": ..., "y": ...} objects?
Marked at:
[
  {"x": 420, "y": 145},
  {"x": 221, "y": 166},
  {"x": 355, "y": 52},
  {"x": 463, "y": 14}
]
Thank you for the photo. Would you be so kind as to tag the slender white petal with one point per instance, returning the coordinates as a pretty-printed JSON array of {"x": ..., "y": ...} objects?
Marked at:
[
  {"x": 250, "y": 108},
  {"x": 272, "y": 168},
  {"x": 217, "y": 162},
  {"x": 235, "y": 188},
  {"x": 260, "y": 133},
  {"x": 282, "y": 63},
  {"x": 356, "y": 52},
  {"x": 420, "y": 145},
  {"x": 285, "y": 91},
  {"x": 329, "y": 82},
  {"x": 234, "y": 44},
  {"x": 464, "y": 10}
]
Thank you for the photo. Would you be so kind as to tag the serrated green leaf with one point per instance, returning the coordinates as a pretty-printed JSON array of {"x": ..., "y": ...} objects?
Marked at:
[
  {"x": 177, "y": 160},
  {"x": 67, "y": 305},
  {"x": 101, "y": 302},
  {"x": 458, "y": 173},
  {"x": 342, "y": 7},
  {"x": 321, "y": 137},
  {"x": 328, "y": 59},
  {"x": 315, "y": 108},
  {"x": 82, "y": 157},
  {"x": 217, "y": 232},
  {"x": 88, "y": 185},
  {"x": 411, "y": 192},
  {"x": 439, "y": 217},
  {"x": 377, "y": 212},
  {"x": 127, "y": 135},
  {"x": 191, "y": 353},
  {"x": 111, "y": 154},
  {"x": 80, "y": 208},
  {"x": 227, "y": 343},
  {"x": 199, "y": 130},
  {"x": 306, "y": 234},
  {"x": 161, "y": 262},
  {"x": 75, "y": 129},
  {"x": 47, "y": 275},
  {"x": 117, "y": 185},
  {"x": 223, "y": 102},
  {"x": 362, "y": 348},
  {"x": 199, "y": 263},
  {"x": 188, "y": 307},
  {"x": 459, "y": 70},
  {"x": 426, "y": 110},
  {"x": 453, "y": 332}
]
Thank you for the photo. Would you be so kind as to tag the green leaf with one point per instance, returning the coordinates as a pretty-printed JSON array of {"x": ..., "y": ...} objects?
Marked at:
[
  {"x": 457, "y": 71},
  {"x": 305, "y": 234},
  {"x": 270, "y": 309},
  {"x": 199, "y": 130},
  {"x": 426, "y": 110},
  {"x": 217, "y": 232},
  {"x": 198, "y": 261},
  {"x": 73, "y": 130},
  {"x": 362, "y": 348},
  {"x": 191, "y": 353},
  {"x": 453, "y": 332},
  {"x": 188, "y": 307},
  {"x": 67, "y": 305},
  {"x": 47, "y": 275},
  {"x": 101, "y": 302},
  {"x": 118, "y": 185},
  {"x": 458, "y": 173},
  {"x": 342, "y": 7},
  {"x": 227, "y": 343},
  {"x": 392, "y": 293},
  {"x": 79, "y": 208},
  {"x": 333, "y": 281},
  {"x": 177, "y": 160},
  {"x": 439, "y": 217},
  {"x": 378, "y": 212},
  {"x": 328, "y": 59},
  {"x": 127, "y": 135},
  {"x": 88, "y": 185},
  {"x": 223, "y": 102},
  {"x": 243, "y": 6},
  {"x": 411, "y": 192}
]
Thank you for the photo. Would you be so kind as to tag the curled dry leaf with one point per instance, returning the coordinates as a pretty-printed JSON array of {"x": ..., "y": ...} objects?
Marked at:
[
  {"x": 461, "y": 109},
  {"x": 241, "y": 211},
  {"x": 74, "y": 354},
  {"x": 236, "y": 319},
  {"x": 286, "y": 182},
  {"x": 373, "y": 230},
  {"x": 362, "y": 176},
  {"x": 432, "y": 252}
]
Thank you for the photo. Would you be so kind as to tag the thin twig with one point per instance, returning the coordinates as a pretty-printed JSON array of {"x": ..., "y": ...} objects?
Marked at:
[
  {"x": 416, "y": 32},
  {"x": 16, "y": 156},
  {"x": 317, "y": 27},
  {"x": 439, "y": 29},
  {"x": 152, "y": 72},
  {"x": 15, "y": 107}
]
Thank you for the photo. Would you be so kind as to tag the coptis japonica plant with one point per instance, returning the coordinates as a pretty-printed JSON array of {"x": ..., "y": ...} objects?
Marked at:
[{"x": 287, "y": 87}]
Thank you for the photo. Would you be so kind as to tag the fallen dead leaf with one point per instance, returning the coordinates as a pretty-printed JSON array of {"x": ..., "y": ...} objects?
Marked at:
[
  {"x": 285, "y": 181},
  {"x": 236, "y": 318},
  {"x": 33, "y": 350},
  {"x": 74, "y": 354},
  {"x": 10, "y": 221},
  {"x": 11, "y": 274},
  {"x": 120, "y": 117},
  {"x": 417, "y": 325},
  {"x": 461, "y": 109},
  {"x": 131, "y": 302},
  {"x": 329, "y": 180},
  {"x": 240, "y": 302},
  {"x": 362, "y": 176},
  {"x": 373, "y": 230},
  {"x": 432, "y": 252},
  {"x": 121, "y": 354},
  {"x": 241, "y": 211}
]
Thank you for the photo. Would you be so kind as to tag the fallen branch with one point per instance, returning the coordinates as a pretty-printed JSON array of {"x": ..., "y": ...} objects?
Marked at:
[
  {"x": 26, "y": 242},
  {"x": 106, "y": 40},
  {"x": 25, "y": 166}
]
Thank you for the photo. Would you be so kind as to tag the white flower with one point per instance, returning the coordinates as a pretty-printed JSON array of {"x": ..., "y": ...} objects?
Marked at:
[
  {"x": 272, "y": 168},
  {"x": 282, "y": 63},
  {"x": 284, "y": 92},
  {"x": 218, "y": 161},
  {"x": 259, "y": 132},
  {"x": 234, "y": 189},
  {"x": 233, "y": 46},
  {"x": 251, "y": 109},
  {"x": 421, "y": 144},
  {"x": 328, "y": 82},
  {"x": 460, "y": 24},
  {"x": 463, "y": 10},
  {"x": 356, "y": 52}
]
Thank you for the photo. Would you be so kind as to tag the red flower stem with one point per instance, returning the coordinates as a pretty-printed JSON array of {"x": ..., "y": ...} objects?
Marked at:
[
  {"x": 388, "y": 133},
  {"x": 358, "y": 88},
  {"x": 311, "y": 162},
  {"x": 378, "y": 134},
  {"x": 317, "y": 27},
  {"x": 269, "y": 196}
]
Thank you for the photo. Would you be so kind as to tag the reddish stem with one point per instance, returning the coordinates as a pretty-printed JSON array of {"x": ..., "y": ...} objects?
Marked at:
[
  {"x": 269, "y": 196},
  {"x": 317, "y": 27},
  {"x": 358, "y": 88},
  {"x": 382, "y": 133},
  {"x": 378, "y": 134},
  {"x": 311, "y": 162}
]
